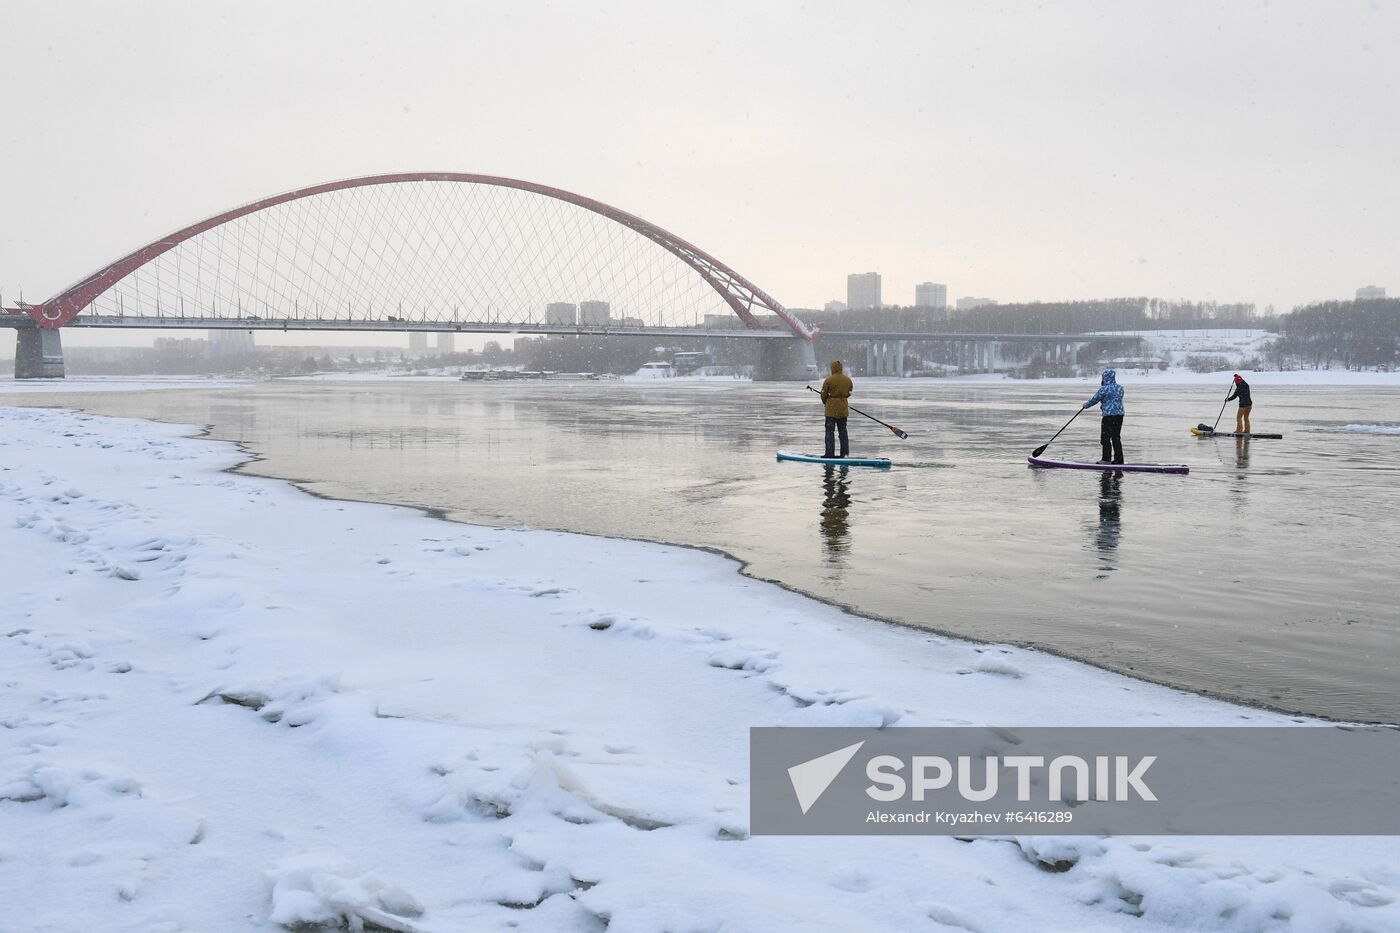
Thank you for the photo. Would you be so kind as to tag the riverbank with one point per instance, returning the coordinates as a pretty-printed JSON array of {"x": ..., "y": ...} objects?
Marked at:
[
  {"x": 9, "y": 385},
  {"x": 232, "y": 705},
  {"x": 1320, "y": 378}
]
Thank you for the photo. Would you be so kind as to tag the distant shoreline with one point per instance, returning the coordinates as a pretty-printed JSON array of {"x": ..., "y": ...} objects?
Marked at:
[{"x": 1320, "y": 378}]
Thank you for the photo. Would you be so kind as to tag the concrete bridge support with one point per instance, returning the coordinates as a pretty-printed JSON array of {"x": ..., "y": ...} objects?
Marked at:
[
  {"x": 885, "y": 358},
  {"x": 792, "y": 360},
  {"x": 38, "y": 353},
  {"x": 977, "y": 356}
]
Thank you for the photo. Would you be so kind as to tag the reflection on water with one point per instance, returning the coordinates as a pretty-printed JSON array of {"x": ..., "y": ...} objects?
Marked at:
[
  {"x": 1110, "y": 525},
  {"x": 835, "y": 520},
  {"x": 1239, "y": 489},
  {"x": 1242, "y": 453}
]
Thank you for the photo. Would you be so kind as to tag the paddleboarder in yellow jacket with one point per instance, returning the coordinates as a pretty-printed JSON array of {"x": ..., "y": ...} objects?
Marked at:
[
  {"x": 836, "y": 388},
  {"x": 1240, "y": 390}
]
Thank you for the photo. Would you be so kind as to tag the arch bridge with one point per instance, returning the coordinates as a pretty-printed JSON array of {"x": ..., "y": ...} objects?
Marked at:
[{"x": 421, "y": 251}]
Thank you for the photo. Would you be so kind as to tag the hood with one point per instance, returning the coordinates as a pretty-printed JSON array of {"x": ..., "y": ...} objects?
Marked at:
[
  {"x": 1110, "y": 376},
  {"x": 835, "y": 367}
]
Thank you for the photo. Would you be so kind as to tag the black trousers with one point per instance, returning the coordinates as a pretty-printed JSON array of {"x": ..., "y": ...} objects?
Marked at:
[
  {"x": 1111, "y": 437},
  {"x": 839, "y": 425}
]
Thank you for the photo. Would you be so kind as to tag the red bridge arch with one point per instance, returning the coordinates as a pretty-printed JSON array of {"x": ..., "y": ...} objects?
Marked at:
[{"x": 738, "y": 292}]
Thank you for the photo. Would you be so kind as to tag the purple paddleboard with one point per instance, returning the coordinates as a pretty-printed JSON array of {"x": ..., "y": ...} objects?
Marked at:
[{"x": 1119, "y": 467}]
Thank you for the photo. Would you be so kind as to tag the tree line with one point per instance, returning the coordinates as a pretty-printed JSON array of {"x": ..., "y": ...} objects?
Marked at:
[
  {"x": 1045, "y": 317},
  {"x": 1349, "y": 334}
]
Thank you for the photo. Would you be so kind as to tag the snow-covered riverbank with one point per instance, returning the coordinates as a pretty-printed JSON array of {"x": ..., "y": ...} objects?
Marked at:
[
  {"x": 113, "y": 384},
  {"x": 230, "y": 705}
]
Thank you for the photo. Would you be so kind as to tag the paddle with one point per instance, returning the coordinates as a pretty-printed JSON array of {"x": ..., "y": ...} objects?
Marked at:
[
  {"x": 1041, "y": 449},
  {"x": 898, "y": 433},
  {"x": 1222, "y": 407}
]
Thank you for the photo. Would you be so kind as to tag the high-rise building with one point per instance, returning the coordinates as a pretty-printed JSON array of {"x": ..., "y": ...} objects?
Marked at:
[
  {"x": 224, "y": 343},
  {"x": 191, "y": 347},
  {"x": 931, "y": 295},
  {"x": 445, "y": 342},
  {"x": 863, "y": 290},
  {"x": 561, "y": 312},
  {"x": 967, "y": 304},
  {"x": 593, "y": 312},
  {"x": 1370, "y": 293},
  {"x": 418, "y": 342}
]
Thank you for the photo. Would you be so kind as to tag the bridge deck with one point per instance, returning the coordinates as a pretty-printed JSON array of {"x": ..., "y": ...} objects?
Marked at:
[
  {"x": 506, "y": 327},
  {"x": 450, "y": 327}
]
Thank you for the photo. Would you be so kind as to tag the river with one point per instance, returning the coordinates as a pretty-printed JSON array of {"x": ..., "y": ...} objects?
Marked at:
[{"x": 1268, "y": 575}]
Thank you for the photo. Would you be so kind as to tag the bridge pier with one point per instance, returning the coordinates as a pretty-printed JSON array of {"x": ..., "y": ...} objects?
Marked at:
[
  {"x": 875, "y": 358},
  {"x": 786, "y": 360},
  {"x": 38, "y": 353},
  {"x": 884, "y": 358}
]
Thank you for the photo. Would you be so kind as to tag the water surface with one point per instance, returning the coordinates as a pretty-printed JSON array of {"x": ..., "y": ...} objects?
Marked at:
[{"x": 1267, "y": 575}]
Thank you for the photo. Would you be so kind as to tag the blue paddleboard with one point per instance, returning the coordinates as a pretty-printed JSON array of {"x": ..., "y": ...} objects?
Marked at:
[{"x": 835, "y": 461}]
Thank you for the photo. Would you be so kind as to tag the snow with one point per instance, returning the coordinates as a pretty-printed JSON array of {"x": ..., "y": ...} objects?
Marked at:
[
  {"x": 12, "y": 386},
  {"x": 376, "y": 375},
  {"x": 1167, "y": 377},
  {"x": 319, "y": 888},
  {"x": 1238, "y": 347},
  {"x": 229, "y": 705}
]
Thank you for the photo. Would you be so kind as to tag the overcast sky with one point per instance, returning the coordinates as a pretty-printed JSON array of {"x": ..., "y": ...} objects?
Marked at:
[{"x": 1237, "y": 151}]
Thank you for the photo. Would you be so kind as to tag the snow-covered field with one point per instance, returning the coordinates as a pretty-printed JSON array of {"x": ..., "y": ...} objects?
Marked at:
[
  {"x": 1237, "y": 347},
  {"x": 229, "y": 705}
]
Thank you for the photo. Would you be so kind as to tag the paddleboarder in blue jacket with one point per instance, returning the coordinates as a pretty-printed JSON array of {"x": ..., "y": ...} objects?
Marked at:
[{"x": 1110, "y": 396}]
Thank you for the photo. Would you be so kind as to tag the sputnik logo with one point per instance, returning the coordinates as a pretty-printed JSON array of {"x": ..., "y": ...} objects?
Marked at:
[{"x": 811, "y": 778}]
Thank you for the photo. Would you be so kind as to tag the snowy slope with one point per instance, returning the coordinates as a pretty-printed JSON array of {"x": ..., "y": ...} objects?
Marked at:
[{"x": 230, "y": 705}]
